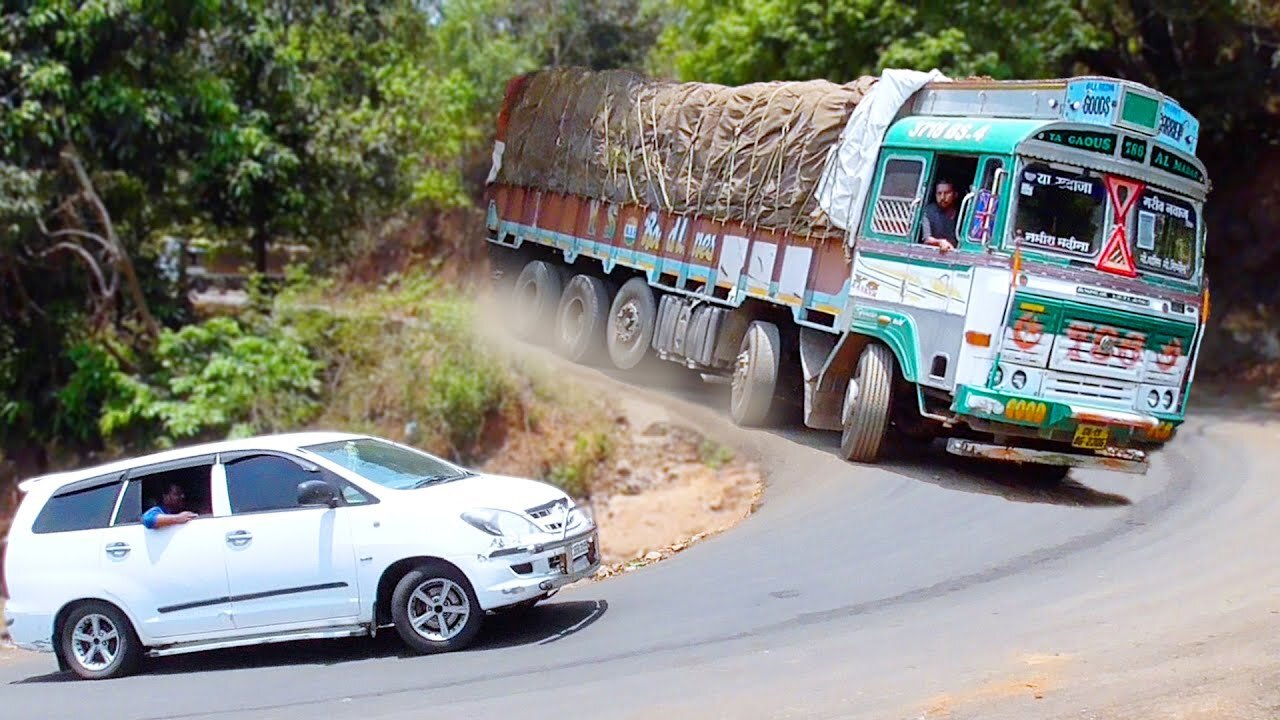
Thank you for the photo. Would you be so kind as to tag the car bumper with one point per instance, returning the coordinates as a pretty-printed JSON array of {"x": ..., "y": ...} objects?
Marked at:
[
  {"x": 511, "y": 575},
  {"x": 29, "y": 630}
]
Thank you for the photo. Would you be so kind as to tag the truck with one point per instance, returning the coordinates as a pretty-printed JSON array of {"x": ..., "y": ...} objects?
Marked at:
[{"x": 1014, "y": 267}]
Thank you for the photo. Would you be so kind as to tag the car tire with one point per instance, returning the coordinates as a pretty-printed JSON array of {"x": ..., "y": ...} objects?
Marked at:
[
  {"x": 423, "y": 597},
  {"x": 866, "y": 419},
  {"x": 97, "y": 642},
  {"x": 581, "y": 319},
  {"x": 534, "y": 299},
  {"x": 755, "y": 374},
  {"x": 630, "y": 328}
]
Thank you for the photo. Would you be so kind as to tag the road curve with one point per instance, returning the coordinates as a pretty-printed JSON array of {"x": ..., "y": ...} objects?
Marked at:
[{"x": 920, "y": 588}]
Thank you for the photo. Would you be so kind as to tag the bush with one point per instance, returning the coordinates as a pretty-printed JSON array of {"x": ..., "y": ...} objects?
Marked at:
[{"x": 205, "y": 380}]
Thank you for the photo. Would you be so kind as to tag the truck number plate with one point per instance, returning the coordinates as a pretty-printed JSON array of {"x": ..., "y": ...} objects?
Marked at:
[{"x": 1091, "y": 437}]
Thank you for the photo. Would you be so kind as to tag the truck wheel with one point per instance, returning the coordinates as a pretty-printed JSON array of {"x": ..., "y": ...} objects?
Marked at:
[
  {"x": 755, "y": 374},
  {"x": 581, "y": 319},
  {"x": 98, "y": 642},
  {"x": 866, "y": 406},
  {"x": 630, "y": 327},
  {"x": 434, "y": 609},
  {"x": 534, "y": 298}
]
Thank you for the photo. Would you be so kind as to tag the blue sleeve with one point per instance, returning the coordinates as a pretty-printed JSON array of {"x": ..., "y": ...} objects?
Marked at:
[{"x": 149, "y": 517}]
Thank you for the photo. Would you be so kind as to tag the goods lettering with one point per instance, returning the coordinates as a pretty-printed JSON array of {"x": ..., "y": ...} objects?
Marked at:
[{"x": 704, "y": 246}]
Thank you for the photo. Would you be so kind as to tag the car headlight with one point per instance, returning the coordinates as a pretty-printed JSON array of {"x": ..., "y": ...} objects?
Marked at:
[{"x": 501, "y": 523}]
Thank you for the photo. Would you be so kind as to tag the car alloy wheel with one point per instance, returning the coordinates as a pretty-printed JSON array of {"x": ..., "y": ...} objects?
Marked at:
[{"x": 438, "y": 609}]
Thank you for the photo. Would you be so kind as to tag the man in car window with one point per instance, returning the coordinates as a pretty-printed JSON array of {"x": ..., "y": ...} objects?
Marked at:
[
  {"x": 940, "y": 218},
  {"x": 170, "y": 511}
]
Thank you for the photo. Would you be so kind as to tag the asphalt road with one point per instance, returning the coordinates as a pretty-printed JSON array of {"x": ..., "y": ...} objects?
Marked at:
[{"x": 921, "y": 588}]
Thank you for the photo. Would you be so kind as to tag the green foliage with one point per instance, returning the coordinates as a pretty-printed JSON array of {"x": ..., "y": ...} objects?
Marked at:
[
  {"x": 744, "y": 41},
  {"x": 590, "y": 449},
  {"x": 205, "y": 380},
  {"x": 713, "y": 454}
]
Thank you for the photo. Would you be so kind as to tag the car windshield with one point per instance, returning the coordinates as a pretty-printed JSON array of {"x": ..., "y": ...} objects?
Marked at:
[
  {"x": 1060, "y": 210},
  {"x": 387, "y": 464}
]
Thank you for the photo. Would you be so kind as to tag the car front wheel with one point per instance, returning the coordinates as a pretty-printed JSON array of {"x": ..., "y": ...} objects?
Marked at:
[{"x": 435, "y": 610}]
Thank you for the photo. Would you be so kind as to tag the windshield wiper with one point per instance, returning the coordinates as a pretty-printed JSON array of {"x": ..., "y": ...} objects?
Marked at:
[{"x": 430, "y": 479}]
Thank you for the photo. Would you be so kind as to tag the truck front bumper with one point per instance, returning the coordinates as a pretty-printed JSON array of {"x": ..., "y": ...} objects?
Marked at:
[{"x": 1119, "y": 460}]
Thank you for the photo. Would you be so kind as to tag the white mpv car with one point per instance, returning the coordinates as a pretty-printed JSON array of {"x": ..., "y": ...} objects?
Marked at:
[{"x": 302, "y": 536}]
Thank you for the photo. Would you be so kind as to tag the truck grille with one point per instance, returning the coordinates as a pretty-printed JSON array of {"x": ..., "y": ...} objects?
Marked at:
[{"x": 1069, "y": 387}]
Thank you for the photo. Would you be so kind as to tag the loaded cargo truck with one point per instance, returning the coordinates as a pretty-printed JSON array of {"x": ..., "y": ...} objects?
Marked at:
[{"x": 1013, "y": 266}]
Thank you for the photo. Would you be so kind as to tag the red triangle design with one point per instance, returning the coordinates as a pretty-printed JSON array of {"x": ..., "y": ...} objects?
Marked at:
[{"x": 1116, "y": 257}]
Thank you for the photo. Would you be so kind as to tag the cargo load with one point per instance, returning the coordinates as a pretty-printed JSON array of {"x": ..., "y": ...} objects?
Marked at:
[{"x": 753, "y": 154}]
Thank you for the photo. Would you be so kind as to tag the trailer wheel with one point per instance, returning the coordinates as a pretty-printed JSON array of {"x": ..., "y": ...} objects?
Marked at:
[
  {"x": 630, "y": 327},
  {"x": 755, "y": 374},
  {"x": 867, "y": 402},
  {"x": 581, "y": 319},
  {"x": 534, "y": 299}
]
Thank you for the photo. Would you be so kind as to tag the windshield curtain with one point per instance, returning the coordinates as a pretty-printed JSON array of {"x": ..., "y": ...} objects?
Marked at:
[
  {"x": 1060, "y": 210},
  {"x": 1167, "y": 232},
  {"x": 388, "y": 465}
]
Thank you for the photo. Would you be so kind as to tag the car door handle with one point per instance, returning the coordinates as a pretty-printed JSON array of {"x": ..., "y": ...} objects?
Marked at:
[
  {"x": 118, "y": 549},
  {"x": 239, "y": 538}
]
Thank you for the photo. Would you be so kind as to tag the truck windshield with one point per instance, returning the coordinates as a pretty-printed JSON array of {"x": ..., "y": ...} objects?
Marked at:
[
  {"x": 1065, "y": 211},
  {"x": 1060, "y": 209},
  {"x": 1167, "y": 231}
]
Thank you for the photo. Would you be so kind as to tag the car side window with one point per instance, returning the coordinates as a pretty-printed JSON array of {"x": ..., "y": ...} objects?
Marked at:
[
  {"x": 260, "y": 483},
  {"x": 147, "y": 487},
  {"x": 86, "y": 505}
]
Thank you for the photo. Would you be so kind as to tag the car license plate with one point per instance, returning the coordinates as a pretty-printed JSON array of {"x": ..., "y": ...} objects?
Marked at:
[
  {"x": 578, "y": 548},
  {"x": 1091, "y": 437}
]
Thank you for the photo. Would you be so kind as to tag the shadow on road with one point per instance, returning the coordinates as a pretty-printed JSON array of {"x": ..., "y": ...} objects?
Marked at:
[
  {"x": 541, "y": 625},
  {"x": 927, "y": 463}
]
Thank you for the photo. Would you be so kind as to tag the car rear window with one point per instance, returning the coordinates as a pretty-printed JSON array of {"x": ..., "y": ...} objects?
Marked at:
[{"x": 86, "y": 505}]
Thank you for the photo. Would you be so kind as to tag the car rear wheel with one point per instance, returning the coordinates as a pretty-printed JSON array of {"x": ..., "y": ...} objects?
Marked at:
[
  {"x": 98, "y": 642},
  {"x": 435, "y": 610}
]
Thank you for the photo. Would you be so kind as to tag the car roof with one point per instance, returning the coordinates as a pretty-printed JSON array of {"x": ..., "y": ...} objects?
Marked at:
[{"x": 282, "y": 441}]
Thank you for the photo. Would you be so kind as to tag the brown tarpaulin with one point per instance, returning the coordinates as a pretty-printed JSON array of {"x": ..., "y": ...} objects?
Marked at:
[{"x": 752, "y": 153}]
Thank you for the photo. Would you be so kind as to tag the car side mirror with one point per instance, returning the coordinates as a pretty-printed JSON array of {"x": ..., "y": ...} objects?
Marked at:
[{"x": 317, "y": 492}]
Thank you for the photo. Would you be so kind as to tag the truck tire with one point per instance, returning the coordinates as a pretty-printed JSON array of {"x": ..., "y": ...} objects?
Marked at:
[
  {"x": 630, "y": 327},
  {"x": 581, "y": 319},
  {"x": 867, "y": 404},
  {"x": 534, "y": 299},
  {"x": 755, "y": 374}
]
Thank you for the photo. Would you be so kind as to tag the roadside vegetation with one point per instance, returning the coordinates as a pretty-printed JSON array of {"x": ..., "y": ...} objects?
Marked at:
[{"x": 136, "y": 136}]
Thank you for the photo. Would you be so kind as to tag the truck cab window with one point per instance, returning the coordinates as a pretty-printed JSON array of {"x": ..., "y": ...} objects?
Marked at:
[{"x": 895, "y": 207}]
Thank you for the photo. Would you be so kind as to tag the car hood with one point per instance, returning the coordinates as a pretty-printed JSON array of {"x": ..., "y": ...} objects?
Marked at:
[{"x": 490, "y": 491}]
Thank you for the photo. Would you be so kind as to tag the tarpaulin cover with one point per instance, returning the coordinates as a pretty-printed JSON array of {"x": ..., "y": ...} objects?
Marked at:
[{"x": 751, "y": 153}]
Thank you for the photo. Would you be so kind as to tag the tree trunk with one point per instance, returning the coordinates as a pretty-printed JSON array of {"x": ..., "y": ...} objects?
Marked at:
[{"x": 260, "y": 252}]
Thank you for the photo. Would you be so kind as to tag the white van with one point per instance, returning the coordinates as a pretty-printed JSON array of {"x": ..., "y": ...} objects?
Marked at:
[{"x": 301, "y": 536}]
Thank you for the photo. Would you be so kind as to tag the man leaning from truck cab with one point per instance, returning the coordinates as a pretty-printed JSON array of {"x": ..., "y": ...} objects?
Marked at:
[
  {"x": 940, "y": 218},
  {"x": 171, "y": 510}
]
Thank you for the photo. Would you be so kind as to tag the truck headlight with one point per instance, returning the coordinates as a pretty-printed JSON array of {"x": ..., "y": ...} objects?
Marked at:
[
  {"x": 1153, "y": 399},
  {"x": 1168, "y": 399},
  {"x": 501, "y": 523}
]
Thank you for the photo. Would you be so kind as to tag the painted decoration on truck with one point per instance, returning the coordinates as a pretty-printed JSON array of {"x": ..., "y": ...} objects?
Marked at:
[
  {"x": 795, "y": 274},
  {"x": 733, "y": 256},
  {"x": 941, "y": 289},
  {"x": 760, "y": 270}
]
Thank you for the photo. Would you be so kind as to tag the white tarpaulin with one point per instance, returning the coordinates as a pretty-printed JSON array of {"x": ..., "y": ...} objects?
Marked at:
[{"x": 846, "y": 180}]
